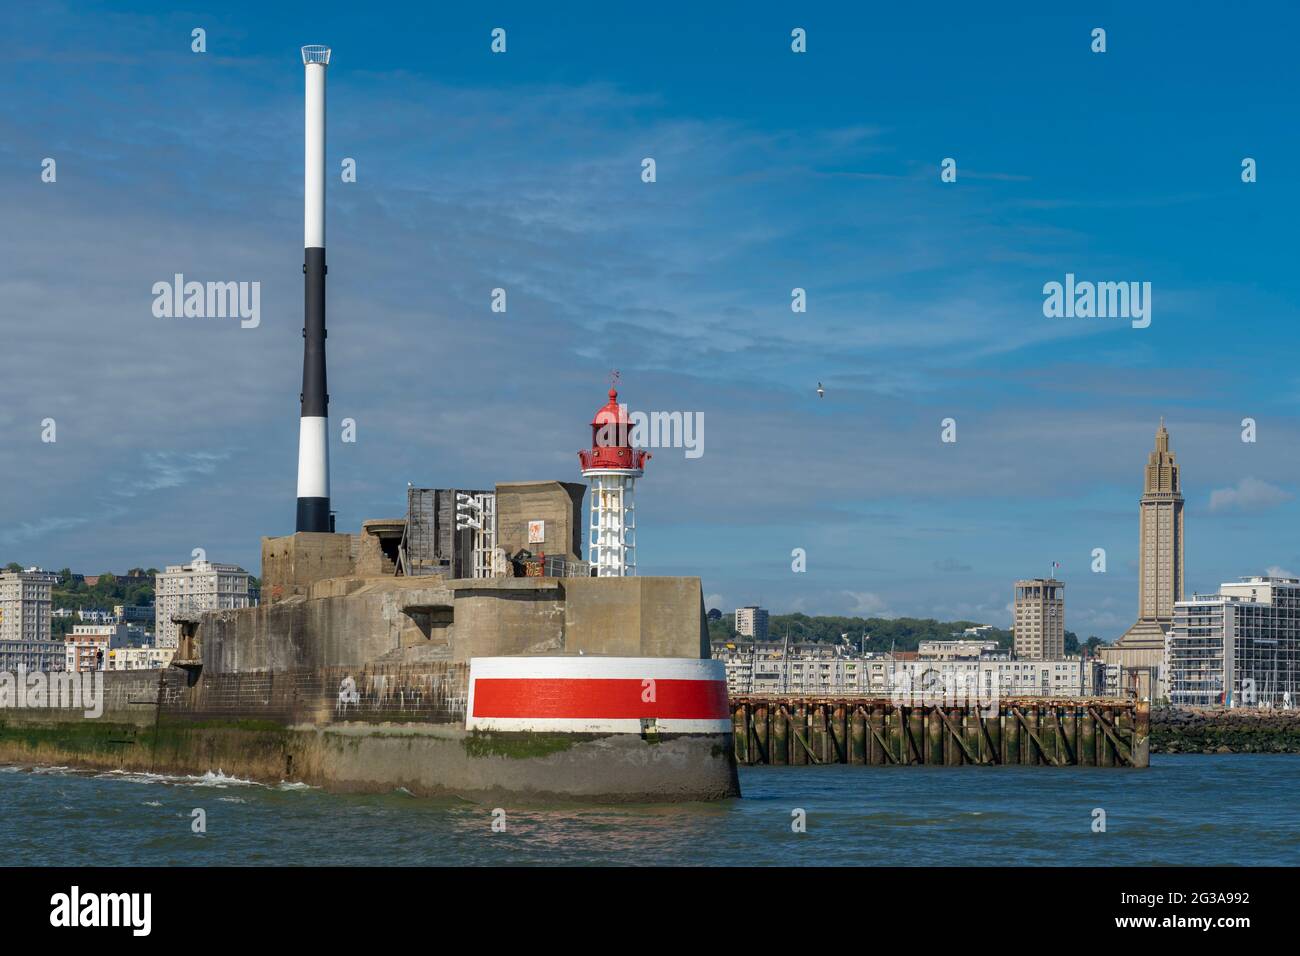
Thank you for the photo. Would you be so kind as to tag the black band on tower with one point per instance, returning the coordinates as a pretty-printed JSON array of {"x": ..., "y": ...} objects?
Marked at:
[
  {"x": 315, "y": 398},
  {"x": 313, "y": 514}
]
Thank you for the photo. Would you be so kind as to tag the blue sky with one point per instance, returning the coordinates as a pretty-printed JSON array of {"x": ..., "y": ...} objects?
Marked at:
[{"x": 774, "y": 171}]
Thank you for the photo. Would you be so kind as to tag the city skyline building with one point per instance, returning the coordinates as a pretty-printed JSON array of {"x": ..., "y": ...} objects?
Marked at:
[
  {"x": 25, "y": 604},
  {"x": 1140, "y": 651},
  {"x": 1239, "y": 647},
  {"x": 198, "y": 586},
  {"x": 752, "y": 621},
  {"x": 1039, "y": 619}
]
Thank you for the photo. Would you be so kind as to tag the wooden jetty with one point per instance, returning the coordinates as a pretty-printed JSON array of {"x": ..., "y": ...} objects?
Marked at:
[{"x": 878, "y": 731}]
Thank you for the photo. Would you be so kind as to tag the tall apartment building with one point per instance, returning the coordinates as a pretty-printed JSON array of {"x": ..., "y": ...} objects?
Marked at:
[
  {"x": 1239, "y": 647},
  {"x": 198, "y": 586},
  {"x": 1040, "y": 619},
  {"x": 751, "y": 622},
  {"x": 25, "y": 598}
]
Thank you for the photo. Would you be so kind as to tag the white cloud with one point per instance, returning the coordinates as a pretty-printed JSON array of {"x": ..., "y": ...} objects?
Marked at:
[
  {"x": 1250, "y": 494},
  {"x": 867, "y": 602}
]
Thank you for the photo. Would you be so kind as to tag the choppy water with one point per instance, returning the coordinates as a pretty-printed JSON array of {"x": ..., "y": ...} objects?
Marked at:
[{"x": 1185, "y": 809}]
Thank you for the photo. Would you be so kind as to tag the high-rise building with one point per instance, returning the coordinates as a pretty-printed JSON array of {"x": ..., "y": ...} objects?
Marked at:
[
  {"x": 1239, "y": 647},
  {"x": 199, "y": 586},
  {"x": 1040, "y": 619},
  {"x": 25, "y": 598},
  {"x": 1140, "y": 652},
  {"x": 752, "y": 622},
  {"x": 1160, "y": 574}
]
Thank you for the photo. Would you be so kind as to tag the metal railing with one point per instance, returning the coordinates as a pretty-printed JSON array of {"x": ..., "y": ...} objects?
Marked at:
[{"x": 558, "y": 567}]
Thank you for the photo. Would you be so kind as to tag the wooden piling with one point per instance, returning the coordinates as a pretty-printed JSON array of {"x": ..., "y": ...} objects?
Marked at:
[
  {"x": 780, "y": 728},
  {"x": 1087, "y": 739},
  {"x": 860, "y": 731},
  {"x": 1011, "y": 732},
  {"x": 858, "y": 737}
]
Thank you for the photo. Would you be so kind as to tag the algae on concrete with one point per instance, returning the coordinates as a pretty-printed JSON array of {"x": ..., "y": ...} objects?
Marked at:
[{"x": 516, "y": 746}]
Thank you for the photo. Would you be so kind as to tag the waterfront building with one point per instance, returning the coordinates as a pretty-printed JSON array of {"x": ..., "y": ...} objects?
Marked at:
[
  {"x": 751, "y": 622},
  {"x": 989, "y": 678},
  {"x": 1140, "y": 652},
  {"x": 1239, "y": 647},
  {"x": 960, "y": 650},
  {"x": 739, "y": 661},
  {"x": 831, "y": 670},
  {"x": 781, "y": 667},
  {"x": 1039, "y": 619},
  {"x": 198, "y": 586}
]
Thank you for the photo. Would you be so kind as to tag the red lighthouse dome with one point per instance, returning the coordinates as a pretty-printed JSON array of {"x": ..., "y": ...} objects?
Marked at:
[{"x": 611, "y": 442}]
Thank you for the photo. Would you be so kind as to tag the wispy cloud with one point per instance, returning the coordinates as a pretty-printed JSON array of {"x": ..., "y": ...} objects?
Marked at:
[{"x": 1249, "y": 494}]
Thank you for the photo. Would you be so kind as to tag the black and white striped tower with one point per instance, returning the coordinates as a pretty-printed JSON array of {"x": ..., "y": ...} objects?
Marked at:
[{"x": 313, "y": 434}]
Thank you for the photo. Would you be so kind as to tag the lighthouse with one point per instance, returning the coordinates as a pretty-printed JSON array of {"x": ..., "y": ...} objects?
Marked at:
[
  {"x": 313, "y": 424},
  {"x": 612, "y": 466}
]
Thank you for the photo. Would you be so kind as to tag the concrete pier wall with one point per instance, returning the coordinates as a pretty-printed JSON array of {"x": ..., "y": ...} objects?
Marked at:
[
  {"x": 358, "y": 681},
  {"x": 402, "y": 726},
  {"x": 348, "y": 622},
  {"x": 361, "y": 686}
]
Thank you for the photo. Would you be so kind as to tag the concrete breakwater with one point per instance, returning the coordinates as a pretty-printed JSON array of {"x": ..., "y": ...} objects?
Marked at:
[
  {"x": 354, "y": 678},
  {"x": 372, "y": 729},
  {"x": 1033, "y": 731},
  {"x": 1220, "y": 730}
]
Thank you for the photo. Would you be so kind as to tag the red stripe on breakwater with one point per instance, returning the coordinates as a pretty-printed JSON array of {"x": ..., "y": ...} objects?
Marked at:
[{"x": 610, "y": 698}]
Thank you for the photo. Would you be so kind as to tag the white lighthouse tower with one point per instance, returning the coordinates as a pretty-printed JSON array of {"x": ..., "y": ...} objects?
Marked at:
[{"x": 612, "y": 466}]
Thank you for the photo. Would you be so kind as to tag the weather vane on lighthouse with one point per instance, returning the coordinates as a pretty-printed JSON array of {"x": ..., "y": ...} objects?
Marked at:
[{"x": 612, "y": 466}]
